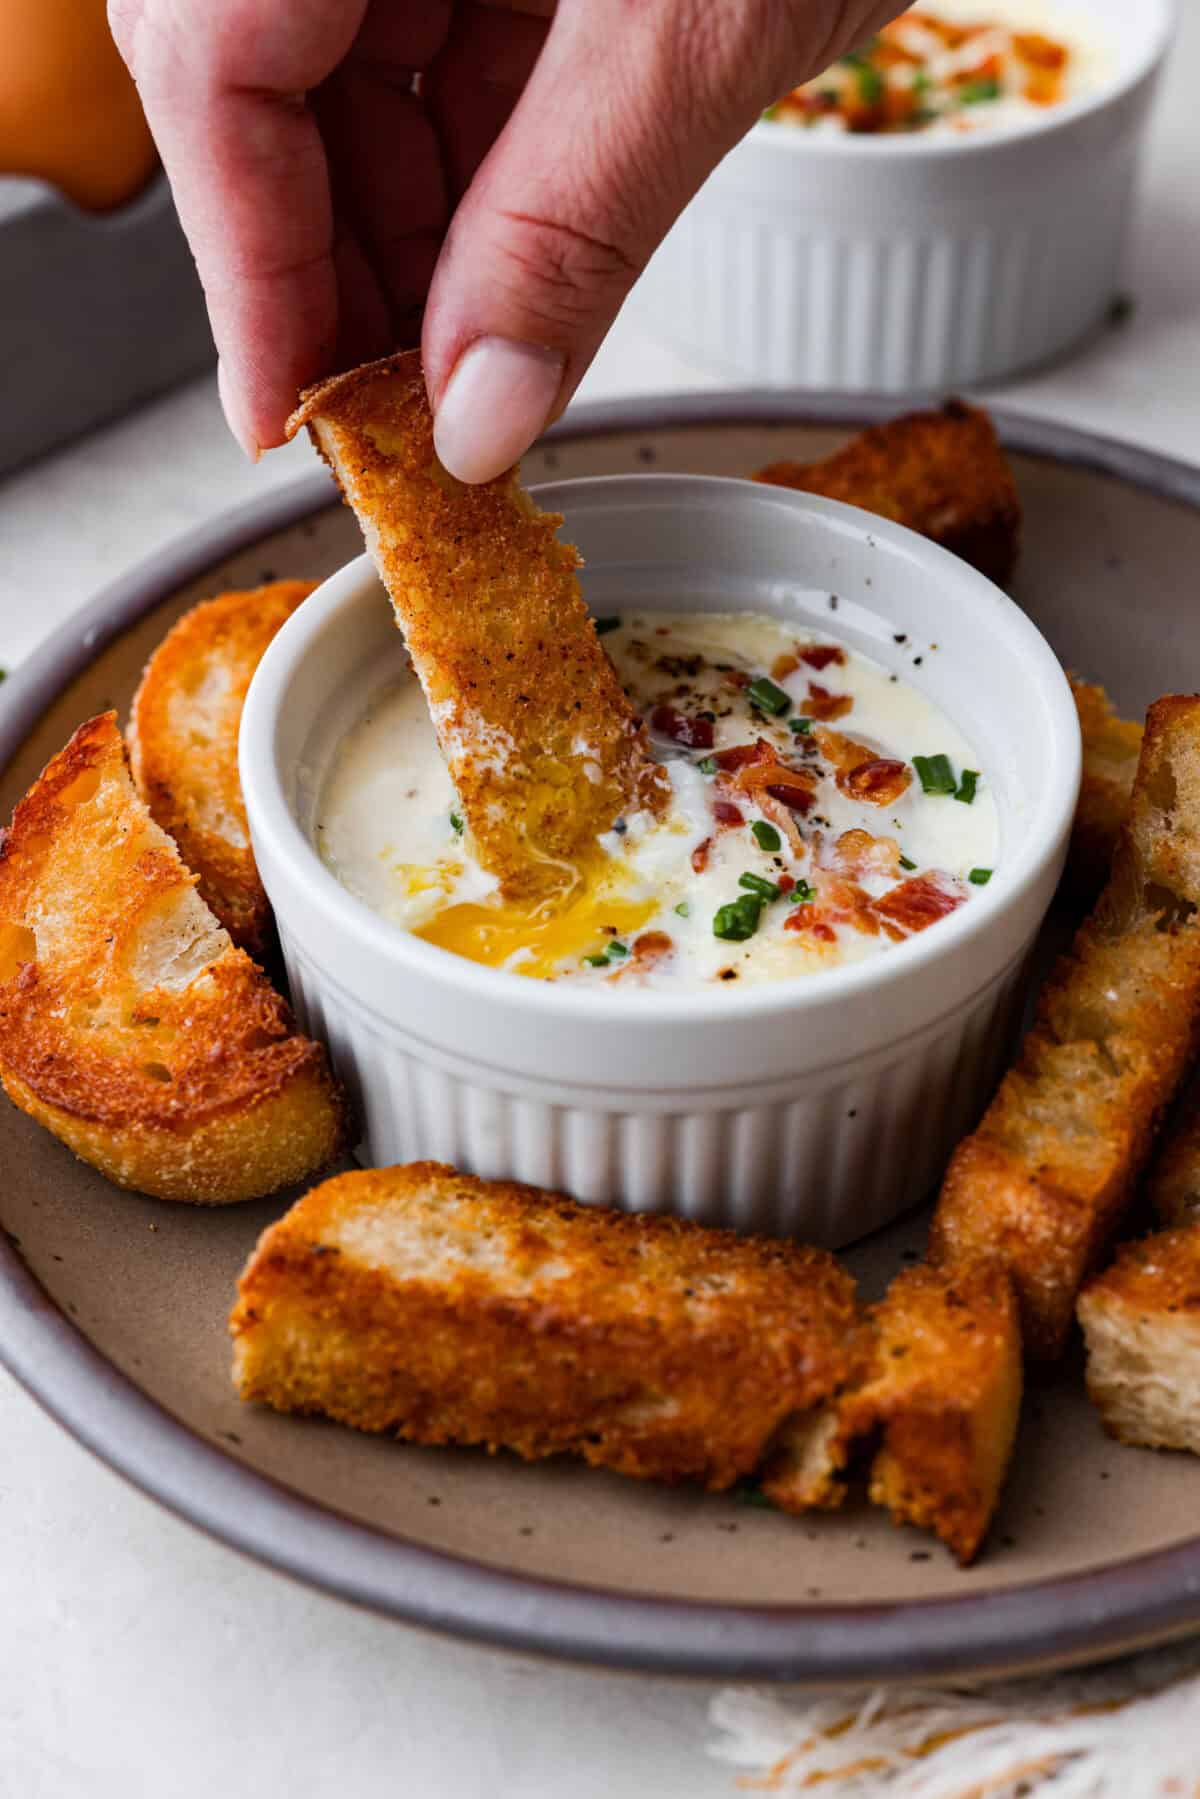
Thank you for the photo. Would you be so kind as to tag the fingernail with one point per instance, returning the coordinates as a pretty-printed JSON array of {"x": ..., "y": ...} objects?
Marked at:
[
  {"x": 242, "y": 434},
  {"x": 495, "y": 403}
]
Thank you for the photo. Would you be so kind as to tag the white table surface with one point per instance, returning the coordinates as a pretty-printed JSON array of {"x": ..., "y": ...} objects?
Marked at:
[{"x": 136, "y": 1656}]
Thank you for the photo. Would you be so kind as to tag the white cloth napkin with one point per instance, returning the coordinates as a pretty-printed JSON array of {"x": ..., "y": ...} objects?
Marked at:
[{"x": 1127, "y": 1730}]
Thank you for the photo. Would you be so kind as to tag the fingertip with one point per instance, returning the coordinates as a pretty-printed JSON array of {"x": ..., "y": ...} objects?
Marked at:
[
  {"x": 237, "y": 414},
  {"x": 497, "y": 402}
]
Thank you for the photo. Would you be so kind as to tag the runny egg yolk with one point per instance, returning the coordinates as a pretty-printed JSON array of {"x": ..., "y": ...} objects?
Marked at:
[{"x": 503, "y": 934}]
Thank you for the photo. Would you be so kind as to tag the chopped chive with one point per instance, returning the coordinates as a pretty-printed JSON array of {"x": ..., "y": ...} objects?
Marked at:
[
  {"x": 803, "y": 891},
  {"x": 768, "y": 697},
  {"x": 605, "y": 625},
  {"x": 456, "y": 824},
  {"x": 935, "y": 773},
  {"x": 596, "y": 961},
  {"x": 766, "y": 836},
  {"x": 683, "y": 909},
  {"x": 920, "y": 81},
  {"x": 972, "y": 92},
  {"x": 980, "y": 876},
  {"x": 905, "y": 863},
  {"x": 801, "y": 726},
  {"x": 870, "y": 84},
  {"x": 617, "y": 951},
  {"x": 766, "y": 890},
  {"x": 707, "y": 765},
  {"x": 738, "y": 919},
  {"x": 967, "y": 785}
]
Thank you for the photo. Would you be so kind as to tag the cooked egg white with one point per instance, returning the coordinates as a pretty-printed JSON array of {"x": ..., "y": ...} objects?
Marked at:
[{"x": 390, "y": 829}]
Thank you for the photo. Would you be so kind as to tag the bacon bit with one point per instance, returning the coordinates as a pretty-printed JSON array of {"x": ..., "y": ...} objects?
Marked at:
[
  {"x": 692, "y": 733},
  {"x": 783, "y": 666},
  {"x": 1043, "y": 52},
  {"x": 918, "y": 903},
  {"x": 700, "y": 856},
  {"x": 646, "y": 951},
  {"x": 736, "y": 677},
  {"x": 820, "y": 703},
  {"x": 738, "y": 756},
  {"x": 785, "y": 883},
  {"x": 820, "y": 655},
  {"x": 799, "y": 799},
  {"x": 842, "y": 751},
  {"x": 857, "y": 853},
  {"x": 880, "y": 781},
  {"x": 782, "y": 818},
  {"x": 807, "y": 921},
  {"x": 760, "y": 769},
  {"x": 726, "y": 813}
]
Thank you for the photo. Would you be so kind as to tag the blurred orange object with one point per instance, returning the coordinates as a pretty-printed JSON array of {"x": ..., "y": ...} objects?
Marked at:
[{"x": 69, "y": 111}]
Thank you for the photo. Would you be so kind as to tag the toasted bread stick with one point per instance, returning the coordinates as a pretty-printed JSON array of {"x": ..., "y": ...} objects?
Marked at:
[
  {"x": 941, "y": 473},
  {"x": 129, "y": 1024},
  {"x": 937, "y": 1399},
  {"x": 1173, "y": 1183},
  {"x": 1141, "y": 1325},
  {"x": 1111, "y": 746},
  {"x": 446, "y": 1309},
  {"x": 1046, "y": 1179},
  {"x": 183, "y": 746},
  {"x": 538, "y": 735}
]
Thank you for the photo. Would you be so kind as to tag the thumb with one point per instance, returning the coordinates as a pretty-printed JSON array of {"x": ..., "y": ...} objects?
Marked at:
[{"x": 629, "y": 107}]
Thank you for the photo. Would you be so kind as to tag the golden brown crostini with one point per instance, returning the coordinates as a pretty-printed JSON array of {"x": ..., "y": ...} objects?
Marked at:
[
  {"x": 1045, "y": 1180},
  {"x": 942, "y": 473},
  {"x": 540, "y": 740},
  {"x": 129, "y": 1024},
  {"x": 446, "y": 1309},
  {"x": 183, "y": 746}
]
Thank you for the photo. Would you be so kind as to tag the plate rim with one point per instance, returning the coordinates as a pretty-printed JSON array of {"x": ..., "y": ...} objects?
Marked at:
[{"x": 1064, "y": 1618}]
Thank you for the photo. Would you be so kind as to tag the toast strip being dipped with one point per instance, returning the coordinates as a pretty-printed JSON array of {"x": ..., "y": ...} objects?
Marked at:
[
  {"x": 1045, "y": 1180},
  {"x": 941, "y": 473},
  {"x": 129, "y": 1024},
  {"x": 183, "y": 746},
  {"x": 446, "y": 1309},
  {"x": 1141, "y": 1325},
  {"x": 539, "y": 738}
]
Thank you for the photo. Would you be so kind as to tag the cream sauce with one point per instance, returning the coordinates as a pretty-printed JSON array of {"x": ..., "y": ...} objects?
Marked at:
[{"x": 389, "y": 825}]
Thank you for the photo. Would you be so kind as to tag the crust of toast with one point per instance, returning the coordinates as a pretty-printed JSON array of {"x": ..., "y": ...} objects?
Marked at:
[
  {"x": 936, "y": 1398},
  {"x": 183, "y": 746},
  {"x": 1111, "y": 746},
  {"x": 942, "y": 473},
  {"x": 1046, "y": 1179},
  {"x": 446, "y": 1309},
  {"x": 945, "y": 1398},
  {"x": 1173, "y": 1184},
  {"x": 540, "y": 740},
  {"x": 129, "y": 1024},
  {"x": 1141, "y": 1324}
]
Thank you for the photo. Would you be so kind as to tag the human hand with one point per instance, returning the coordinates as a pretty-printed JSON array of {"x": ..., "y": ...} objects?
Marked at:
[{"x": 500, "y": 168}]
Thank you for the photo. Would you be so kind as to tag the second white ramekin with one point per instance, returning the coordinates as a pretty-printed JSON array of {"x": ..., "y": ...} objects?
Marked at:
[
  {"x": 903, "y": 264},
  {"x": 819, "y": 1107}
]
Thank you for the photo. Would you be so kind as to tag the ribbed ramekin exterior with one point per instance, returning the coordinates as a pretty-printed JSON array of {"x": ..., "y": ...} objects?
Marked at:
[
  {"x": 853, "y": 1147},
  {"x": 839, "y": 270}
]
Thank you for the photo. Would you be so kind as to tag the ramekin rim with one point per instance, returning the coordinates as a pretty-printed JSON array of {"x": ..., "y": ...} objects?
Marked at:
[
  {"x": 274, "y": 825},
  {"x": 917, "y": 145}
]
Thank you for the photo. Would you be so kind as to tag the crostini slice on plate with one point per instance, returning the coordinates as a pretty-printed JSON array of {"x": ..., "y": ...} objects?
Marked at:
[{"x": 130, "y": 1026}]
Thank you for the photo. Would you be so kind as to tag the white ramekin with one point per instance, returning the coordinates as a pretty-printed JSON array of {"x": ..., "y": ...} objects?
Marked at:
[
  {"x": 818, "y": 1107},
  {"x": 912, "y": 263}
]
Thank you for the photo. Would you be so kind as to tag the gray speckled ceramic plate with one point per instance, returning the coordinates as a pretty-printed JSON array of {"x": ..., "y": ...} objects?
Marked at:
[{"x": 112, "y": 1308}]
